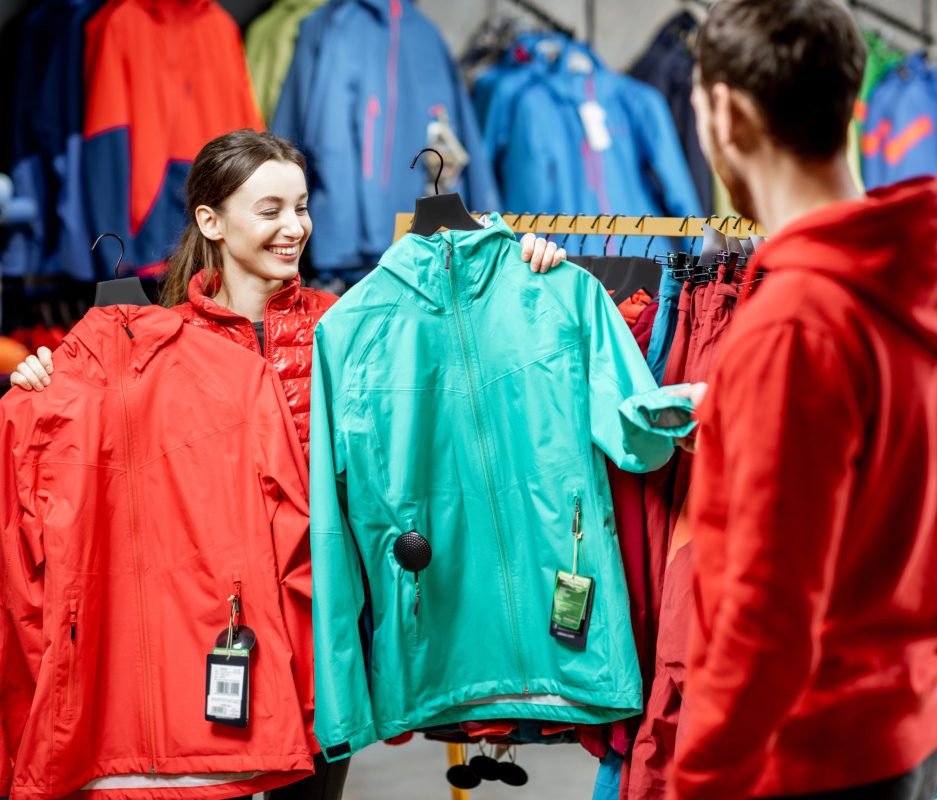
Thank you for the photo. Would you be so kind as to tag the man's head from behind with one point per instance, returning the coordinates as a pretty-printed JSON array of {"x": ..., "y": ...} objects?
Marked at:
[{"x": 776, "y": 82}]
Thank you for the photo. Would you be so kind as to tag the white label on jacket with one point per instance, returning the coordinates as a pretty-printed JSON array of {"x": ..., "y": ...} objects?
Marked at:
[
  {"x": 593, "y": 120},
  {"x": 227, "y": 686}
]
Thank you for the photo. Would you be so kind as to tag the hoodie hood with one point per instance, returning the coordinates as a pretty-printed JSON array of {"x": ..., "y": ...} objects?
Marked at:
[{"x": 882, "y": 247}]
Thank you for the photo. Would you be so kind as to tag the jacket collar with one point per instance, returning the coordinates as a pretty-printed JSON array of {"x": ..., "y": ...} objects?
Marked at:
[
  {"x": 102, "y": 344},
  {"x": 419, "y": 262},
  {"x": 385, "y": 8},
  {"x": 200, "y": 296}
]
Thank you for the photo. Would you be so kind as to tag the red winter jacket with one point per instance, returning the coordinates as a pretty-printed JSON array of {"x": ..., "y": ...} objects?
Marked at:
[
  {"x": 290, "y": 318},
  {"x": 813, "y": 656},
  {"x": 154, "y": 476}
]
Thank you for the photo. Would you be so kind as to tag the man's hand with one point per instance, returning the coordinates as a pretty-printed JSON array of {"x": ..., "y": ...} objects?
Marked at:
[
  {"x": 33, "y": 373},
  {"x": 695, "y": 393},
  {"x": 541, "y": 254}
]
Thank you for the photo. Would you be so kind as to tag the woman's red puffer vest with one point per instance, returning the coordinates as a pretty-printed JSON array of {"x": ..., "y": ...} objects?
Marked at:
[{"x": 289, "y": 320}]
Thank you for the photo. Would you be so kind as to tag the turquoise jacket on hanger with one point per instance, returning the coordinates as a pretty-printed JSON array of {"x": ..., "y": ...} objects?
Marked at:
[{"x": 459, "y": 395}]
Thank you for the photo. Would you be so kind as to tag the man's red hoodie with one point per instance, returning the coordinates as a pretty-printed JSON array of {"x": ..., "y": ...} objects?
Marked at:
[{"x": 814, "y": 511}]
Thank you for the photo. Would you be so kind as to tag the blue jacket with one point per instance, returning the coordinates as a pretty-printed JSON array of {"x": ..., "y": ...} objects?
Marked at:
[
  {"x": 644, "y": 171},
  {"x": 899, "y": 138},
  {"x": 367, "y": 78},
  {"x": 47, "y": 143}
]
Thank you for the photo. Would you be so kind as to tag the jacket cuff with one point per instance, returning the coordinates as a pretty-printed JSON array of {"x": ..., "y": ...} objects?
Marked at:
[{"x": 661, "y": 414}]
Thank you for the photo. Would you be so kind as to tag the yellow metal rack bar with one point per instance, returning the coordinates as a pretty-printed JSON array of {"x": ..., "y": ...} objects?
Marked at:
[{"x": 612, "y": 225}]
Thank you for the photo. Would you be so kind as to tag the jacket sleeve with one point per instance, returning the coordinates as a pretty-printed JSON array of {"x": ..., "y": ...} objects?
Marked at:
[
  {"x": 789, "y": 448},
  {"x": 315, "y": 111},
  {"x": 284, "y": 474},
  {"x": 22, "y": 562},
  {"x": 344, "y": 717},
  {"x": 624, "y": 399},
  {"x": 661, "y": 149}
]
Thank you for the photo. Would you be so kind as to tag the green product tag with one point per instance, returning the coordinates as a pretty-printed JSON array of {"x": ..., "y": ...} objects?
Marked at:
[
  {"x": 570, "y": 596},
  {"x": 222, "y": 651}
]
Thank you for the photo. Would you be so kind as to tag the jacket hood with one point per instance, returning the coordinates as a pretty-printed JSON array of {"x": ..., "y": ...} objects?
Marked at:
[
  {"x": 101, "y": 344},
  {"x": 882, "y": 247},
  {"x": 419, "y": 262},
  {"x": 201, "y": 293}
]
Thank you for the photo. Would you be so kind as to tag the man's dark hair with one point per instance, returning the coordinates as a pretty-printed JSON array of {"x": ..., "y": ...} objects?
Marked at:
[{"x": 800, "y": 61}]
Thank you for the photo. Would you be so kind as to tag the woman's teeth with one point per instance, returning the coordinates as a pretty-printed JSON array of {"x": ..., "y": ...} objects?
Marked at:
[{"x": 283, "y": 251}]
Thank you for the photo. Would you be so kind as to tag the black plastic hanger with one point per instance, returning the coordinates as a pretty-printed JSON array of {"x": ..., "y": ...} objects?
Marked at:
[
  {"x": 120, "y": 291},
  {"x": 442, "y": 210}
]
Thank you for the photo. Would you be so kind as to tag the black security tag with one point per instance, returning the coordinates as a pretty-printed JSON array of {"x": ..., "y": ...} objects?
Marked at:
[
  {"x": 227, "y": 687},
  {"x": 574, "y": 637}
]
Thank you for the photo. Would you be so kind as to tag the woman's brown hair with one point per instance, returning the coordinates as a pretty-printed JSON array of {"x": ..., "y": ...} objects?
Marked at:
[{"x": 219, "y": 169}]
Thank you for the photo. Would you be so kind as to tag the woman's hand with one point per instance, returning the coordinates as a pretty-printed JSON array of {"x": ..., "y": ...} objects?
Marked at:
[
  {"x": 541, "y": 254},
  {"x": 33, "y": 373},
  {"x": 695, "y": 393}
]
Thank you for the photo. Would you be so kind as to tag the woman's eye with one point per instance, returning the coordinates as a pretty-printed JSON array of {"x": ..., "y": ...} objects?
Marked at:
[
  {"x": 270, "y": 212},
  {"x": 302, "y": 210}
]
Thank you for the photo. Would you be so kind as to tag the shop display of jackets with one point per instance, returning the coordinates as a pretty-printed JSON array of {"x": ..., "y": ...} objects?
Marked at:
[
  {"x": 269, "y": 43},
  {"x": 830, "y": 519},
  {"x": 367, "y": 80},
  {"x": 162, "y": 78},
  {"x": 289, "y": 319},
  {"x": 459, "y": 395},
  {"x": 157, "y": 476},
  {"x": 47, "y": 134},
  {"x": 603, "y": 143},
  {"x": 899, "y": 139},
  {"x": 667, "y": 65}
]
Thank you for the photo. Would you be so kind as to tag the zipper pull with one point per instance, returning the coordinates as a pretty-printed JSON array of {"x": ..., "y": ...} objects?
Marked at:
[
  {"x": 448, "y": 255},
  {"x": 129, "y": 332},
  {"x": 73, "y": 618},
  {"x": 416, "y": 602},
  {"x": 577, "y": 536}
]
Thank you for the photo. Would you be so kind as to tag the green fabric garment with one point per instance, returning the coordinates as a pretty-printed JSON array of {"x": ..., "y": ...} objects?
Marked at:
[
  {"x": 460, "y": 395},
  {"x": 880, "y": 60},
  {"x": 269, "y": 43}
]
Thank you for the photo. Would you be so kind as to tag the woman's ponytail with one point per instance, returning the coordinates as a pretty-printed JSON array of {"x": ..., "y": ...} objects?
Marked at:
[{"x": 193, "y": 253}]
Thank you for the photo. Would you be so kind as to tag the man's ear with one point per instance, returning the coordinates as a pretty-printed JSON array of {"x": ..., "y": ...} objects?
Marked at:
[
  {"x": 737, "y": 122},
  {"x": 209, "y": 223}
]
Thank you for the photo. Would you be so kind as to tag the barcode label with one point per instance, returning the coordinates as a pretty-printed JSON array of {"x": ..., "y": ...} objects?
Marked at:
[{"x": 227, "y": 682}]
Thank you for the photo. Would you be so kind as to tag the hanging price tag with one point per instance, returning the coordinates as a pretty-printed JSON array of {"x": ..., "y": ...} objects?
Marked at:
[
  {"x": 593, "y": 121},
  {"x": 227, "y": 687}
]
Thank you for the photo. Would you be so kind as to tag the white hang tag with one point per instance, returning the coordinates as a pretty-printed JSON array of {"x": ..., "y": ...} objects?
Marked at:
[{"x": 593, "y": 120}]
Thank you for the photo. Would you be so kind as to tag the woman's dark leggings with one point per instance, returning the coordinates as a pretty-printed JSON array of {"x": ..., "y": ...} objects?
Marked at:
[{"x": 327, "y": 784}]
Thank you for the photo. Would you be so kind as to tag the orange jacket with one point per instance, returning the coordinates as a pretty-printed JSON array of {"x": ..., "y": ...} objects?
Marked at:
[
  {"x": 813, "y": 652},
  {"x": 137, "y": 491}
]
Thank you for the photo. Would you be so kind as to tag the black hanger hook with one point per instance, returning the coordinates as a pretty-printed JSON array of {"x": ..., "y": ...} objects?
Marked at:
[
  {"x": 119, "y": 258},
  {"x": 608, "y": 238},
  {"x": 722, "y": 227},
  {"x": 684, "y": 226},
  {"x": 647, "y": 249},
  {"x": 442, "y": 163}
]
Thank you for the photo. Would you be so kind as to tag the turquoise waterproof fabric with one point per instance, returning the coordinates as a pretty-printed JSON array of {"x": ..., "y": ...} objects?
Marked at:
[{"x": 457, "y": 394}]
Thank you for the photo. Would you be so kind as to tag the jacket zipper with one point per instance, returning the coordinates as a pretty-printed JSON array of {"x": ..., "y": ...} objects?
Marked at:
[
  {"x": 393, "y": 51},
  {"x": 138, "y": 569},
  {"x": 367, "y": 147},
  {"x": 486, "y": 466},
  {"x": 72, "y": 647}
]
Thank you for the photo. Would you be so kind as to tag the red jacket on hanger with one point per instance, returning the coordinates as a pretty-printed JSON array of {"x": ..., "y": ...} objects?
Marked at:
[
  {"x": 155, "y": 478},
  {"x": 289, "y": 320},
  {"x": 813, "y": 652}
]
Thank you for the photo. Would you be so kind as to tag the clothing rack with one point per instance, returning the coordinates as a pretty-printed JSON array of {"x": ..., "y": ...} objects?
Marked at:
[
  {"x": 612, "y": 225},
  {"x": 923, "y": 34}
]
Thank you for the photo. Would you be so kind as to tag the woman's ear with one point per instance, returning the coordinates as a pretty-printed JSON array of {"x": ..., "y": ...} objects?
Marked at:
[{"x": 209, "y": 223}]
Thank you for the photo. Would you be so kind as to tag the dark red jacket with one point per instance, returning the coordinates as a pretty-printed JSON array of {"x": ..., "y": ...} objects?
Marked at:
[
  {"x": 150, "y": 481},
  {"x": 289, "y": 320},
  {"x": 814, "y": 512}
]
